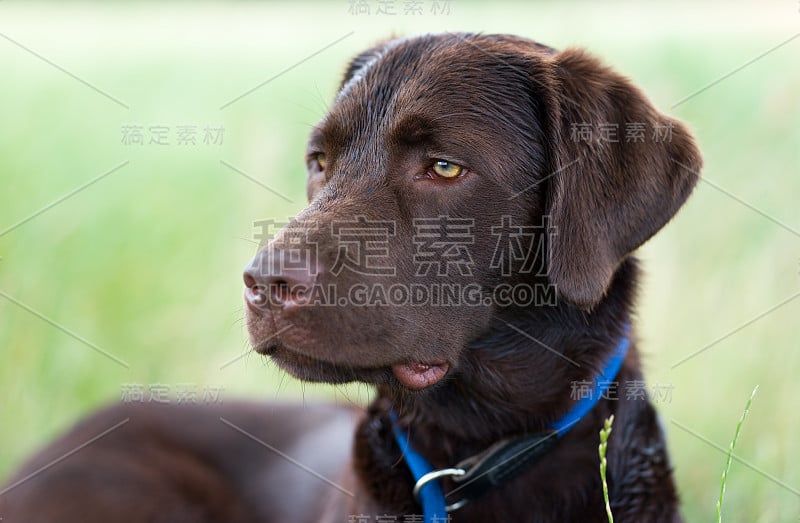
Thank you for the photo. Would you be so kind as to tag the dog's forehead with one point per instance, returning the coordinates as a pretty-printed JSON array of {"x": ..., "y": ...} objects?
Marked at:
[
  {"x": 441, "y": 55},
  {"x": 433, "y": 75},
  {"x": 401, "y": 75},
  {"x": 398, "y": 60}
]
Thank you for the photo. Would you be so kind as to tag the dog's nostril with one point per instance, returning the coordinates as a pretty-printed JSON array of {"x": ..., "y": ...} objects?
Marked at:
[
  {"x": 279, "y": 288},
  {"x": 254, "y": 292},
  {"x": 266, "y": 280},
  {"x": 285, "y": 290},
  {"x": 249, "y": 281}
]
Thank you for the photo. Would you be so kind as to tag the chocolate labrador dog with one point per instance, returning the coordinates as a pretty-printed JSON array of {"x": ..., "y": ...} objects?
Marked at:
[{"x": 475, "y": 201}]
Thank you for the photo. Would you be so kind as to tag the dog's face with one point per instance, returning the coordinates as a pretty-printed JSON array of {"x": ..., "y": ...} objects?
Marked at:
[{"x": 449, "y": 168}]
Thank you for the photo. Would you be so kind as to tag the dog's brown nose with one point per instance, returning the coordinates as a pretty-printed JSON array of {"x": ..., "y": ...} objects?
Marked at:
[{"x": 274, "y": 277}]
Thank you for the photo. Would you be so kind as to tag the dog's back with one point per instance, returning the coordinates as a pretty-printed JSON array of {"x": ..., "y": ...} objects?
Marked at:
[{"x": 236, "y": 462}]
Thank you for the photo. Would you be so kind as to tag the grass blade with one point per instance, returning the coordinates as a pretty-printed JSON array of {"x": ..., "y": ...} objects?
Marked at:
[
  {"x": 730, "y": 455},
  {"x": 604, "y": 433}
]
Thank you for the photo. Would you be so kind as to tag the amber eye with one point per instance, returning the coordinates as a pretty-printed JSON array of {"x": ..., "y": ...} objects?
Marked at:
[
  {"x": 320, "y": 159},
  {"x": 447, "y": 169}
]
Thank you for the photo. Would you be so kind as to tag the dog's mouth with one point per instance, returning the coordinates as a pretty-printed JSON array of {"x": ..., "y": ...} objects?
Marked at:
[{"x": 412, "y": 375}]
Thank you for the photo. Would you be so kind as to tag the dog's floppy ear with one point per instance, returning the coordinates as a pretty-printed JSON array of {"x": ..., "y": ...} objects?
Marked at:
[{"x": 619, "y": 171}]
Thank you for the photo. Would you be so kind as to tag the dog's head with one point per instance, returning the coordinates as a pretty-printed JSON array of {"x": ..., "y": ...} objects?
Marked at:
[{"x": 451, "y": 168}]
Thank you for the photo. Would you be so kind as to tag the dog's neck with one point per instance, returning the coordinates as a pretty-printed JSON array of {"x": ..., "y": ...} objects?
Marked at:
[{"x": 515, "y": 379}]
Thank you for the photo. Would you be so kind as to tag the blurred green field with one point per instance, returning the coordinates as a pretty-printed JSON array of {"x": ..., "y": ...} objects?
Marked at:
[{"x": 145, "y": 263}]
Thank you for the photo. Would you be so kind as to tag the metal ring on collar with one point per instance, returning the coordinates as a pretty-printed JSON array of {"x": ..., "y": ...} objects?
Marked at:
[{"x": 436, "y": 474}]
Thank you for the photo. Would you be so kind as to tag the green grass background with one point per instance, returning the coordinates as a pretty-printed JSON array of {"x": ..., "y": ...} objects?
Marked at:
[{"x": 146, "y": 263}]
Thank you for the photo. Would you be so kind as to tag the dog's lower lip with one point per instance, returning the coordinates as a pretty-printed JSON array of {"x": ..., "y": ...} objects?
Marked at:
[
  {"x": 419, "y": 375},
  {"x": 415, "y": 375}
]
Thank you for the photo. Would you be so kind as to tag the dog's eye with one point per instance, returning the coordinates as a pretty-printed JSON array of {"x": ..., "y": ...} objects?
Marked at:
[
  {"x": 447, "y": 169},
  {"x": 320, "y": 159},
  {"x": 315, "y": 162}
]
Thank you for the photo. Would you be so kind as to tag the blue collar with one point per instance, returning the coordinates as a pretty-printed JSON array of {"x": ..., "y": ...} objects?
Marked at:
[{"x": 428, "y": 488}]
